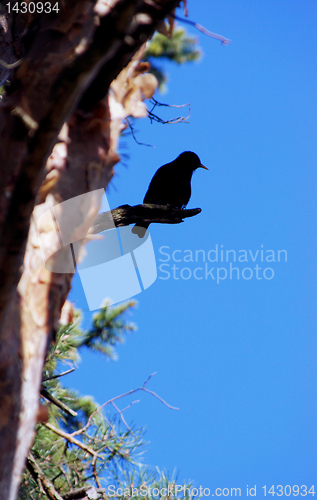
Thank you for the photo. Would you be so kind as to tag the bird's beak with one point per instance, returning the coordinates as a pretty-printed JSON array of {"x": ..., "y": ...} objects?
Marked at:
[{"x": 202, "y": 166}]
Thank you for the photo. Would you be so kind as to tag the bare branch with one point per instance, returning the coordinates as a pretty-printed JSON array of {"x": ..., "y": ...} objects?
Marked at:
[
  {"x": 121, "y": 415},
  {"x": 10, "y": 66},
  {"x": 133, "y": 135},
  {"x": 131, "y": 404},
  {"x": 149, "y": 378},
  {"x": 126, "y": 214},
  {"x": 154, "y": 394},
  {"x": 154, "y": 117},
  {"x": 95, "y": 474},
  {"x": 111, "y": 401},
  {"x": 136, "y": 390},
  {"x": 223, "y": 40},
  {"x": 160, "y": 399},
  {"x": 157, "y": 103}
]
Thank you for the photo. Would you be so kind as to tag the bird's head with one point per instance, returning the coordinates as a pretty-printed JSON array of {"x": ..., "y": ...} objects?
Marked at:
[{"x": 190, "y": 160}]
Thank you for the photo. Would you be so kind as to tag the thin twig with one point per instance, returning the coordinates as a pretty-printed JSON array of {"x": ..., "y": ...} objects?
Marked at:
[
  {"x": 149, "y": 378},
  {"x": 201, "y": 28},
  {"x": 82, "y": 430},
  {"x": 160, "y": 399},
  {"x": 94, "y": 471},
  {"x": 154, "y": 117},
  {"x": 12, "y": 65},
  {"x": 110, "y": 401},
  {"x": 59, "y": 375},
  {"x": 154, "y": 394},
  {"x": 157, "y": 103},
  {"x": 179, "y": 119},
  {"x": 122, "y": 417},
  {"x": 131, "y": 404},
  {"x": 133, "y": 135}
]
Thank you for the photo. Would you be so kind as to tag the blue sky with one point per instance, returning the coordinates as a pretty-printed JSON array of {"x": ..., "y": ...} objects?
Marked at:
[{"x": 238, "y": 357}]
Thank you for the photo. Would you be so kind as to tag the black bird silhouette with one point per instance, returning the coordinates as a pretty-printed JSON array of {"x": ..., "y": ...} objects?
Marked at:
[{"x": 170, "y": 185}]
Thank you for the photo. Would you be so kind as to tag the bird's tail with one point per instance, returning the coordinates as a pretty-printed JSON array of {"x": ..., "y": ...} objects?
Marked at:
[{"x": 140, "y": 229}]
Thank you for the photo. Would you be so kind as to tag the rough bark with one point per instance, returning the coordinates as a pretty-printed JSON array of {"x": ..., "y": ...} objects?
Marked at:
[{"x": 67, "y": 59}]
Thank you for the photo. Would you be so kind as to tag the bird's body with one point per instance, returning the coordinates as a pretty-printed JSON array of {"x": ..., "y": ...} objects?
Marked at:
[{"x": 170, "y": 184}]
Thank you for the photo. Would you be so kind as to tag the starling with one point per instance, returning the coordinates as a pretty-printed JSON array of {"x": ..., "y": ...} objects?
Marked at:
[{"x": 170, "y": 185}]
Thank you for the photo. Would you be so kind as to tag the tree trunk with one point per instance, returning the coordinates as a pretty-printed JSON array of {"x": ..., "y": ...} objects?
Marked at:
[{"x": 59, "y": 129}]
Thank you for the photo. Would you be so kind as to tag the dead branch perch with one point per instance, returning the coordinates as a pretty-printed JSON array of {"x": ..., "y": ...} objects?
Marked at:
[{"x": 146, "y": 213}]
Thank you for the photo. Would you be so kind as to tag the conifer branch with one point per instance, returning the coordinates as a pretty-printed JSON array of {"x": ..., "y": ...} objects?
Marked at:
[
  {"x": 59, "y": 375},
  {"x": 39, "y": 476},
  {"x": 57, "y": 402},
  {"x": 71, "y": 439}
]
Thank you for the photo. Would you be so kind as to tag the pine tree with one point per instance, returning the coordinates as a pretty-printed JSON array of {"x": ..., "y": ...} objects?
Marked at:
[
  {"x": 83, "y": 447},
  {"x": 179, "y": 47}
]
